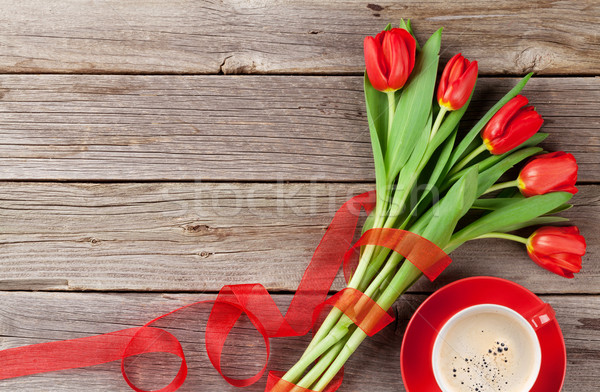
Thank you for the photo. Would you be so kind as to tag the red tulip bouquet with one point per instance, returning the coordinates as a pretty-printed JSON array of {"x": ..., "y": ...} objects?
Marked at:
[{"x": 428, "y": 177}]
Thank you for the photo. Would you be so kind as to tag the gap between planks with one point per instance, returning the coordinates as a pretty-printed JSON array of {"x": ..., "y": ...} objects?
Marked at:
[
  {"x": 251, "y": 128},
  {"x": 198, "y": 237},
  {"x": 272, "y": 36}
]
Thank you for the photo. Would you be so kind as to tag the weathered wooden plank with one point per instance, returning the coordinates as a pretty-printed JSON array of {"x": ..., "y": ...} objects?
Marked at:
[
  {"x": 28, "y": 318},
  {"x": 263, "y": 128},
  {"x": 198, "y": 237},
  {"x": 237, "y": 36}
]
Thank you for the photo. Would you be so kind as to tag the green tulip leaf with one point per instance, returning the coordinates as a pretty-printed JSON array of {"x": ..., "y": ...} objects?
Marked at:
[
  {"x": 412, "y": 167},
  {"x": 406, "y": 25},
  {"x": 410, "y": 173},
  {"x": 539, "y": 221},
  {"x": 377, "y": 111},
  {"x": 439, "y": 161},
  {"x": 447, "y": 131},
  {"x": 560, "y": 208},
  {"x": 413, "y": 107},
  {"x": 501, "y": 202},
  {"x": 507, "y": 217},
  {"x": 373, "y": 104},
  {"x": 494, "y": 203},
  {"x": 452, "y": 207},
  {"x": 431, "y": 178},
  {"x": 497, "y": 203},
  {"x": 475, "y": 143},
  {"x": 510, "y": 192}
]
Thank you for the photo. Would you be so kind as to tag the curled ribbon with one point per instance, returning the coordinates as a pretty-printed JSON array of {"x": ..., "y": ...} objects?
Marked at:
[{"x": 253, "y": 300}]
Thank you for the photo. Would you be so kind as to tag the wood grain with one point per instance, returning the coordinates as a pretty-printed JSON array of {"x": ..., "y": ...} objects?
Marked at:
[
  {"x": 228, "y": 128},
  {"x": 73, "y": 108},
  {"x": 199, "y": 237},
  {"x": 28, "y": 318},
  {"x": 273, "y": 36}
]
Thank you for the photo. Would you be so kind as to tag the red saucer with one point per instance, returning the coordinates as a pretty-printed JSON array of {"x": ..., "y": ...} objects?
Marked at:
[{"x": 417, "y": 345}]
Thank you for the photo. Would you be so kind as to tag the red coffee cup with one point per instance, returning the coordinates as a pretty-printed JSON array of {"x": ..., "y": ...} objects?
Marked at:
[{"x": 434, "y": 313}]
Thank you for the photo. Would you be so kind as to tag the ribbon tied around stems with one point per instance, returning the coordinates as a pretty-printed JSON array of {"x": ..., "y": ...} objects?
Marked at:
[{"x": 253, "y": 300}]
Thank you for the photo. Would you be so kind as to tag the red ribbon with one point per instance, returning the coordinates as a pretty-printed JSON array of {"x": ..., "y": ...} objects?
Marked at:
[
  {"x": 251, "y": 299},
  {"x": 276, "y": 384}
]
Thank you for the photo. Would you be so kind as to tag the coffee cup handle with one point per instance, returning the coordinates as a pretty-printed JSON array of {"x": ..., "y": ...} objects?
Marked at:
[{"x": 540, "y": 315}]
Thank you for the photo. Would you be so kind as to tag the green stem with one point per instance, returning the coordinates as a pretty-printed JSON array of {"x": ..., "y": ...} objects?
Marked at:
[
  {"x": 323, "y": 363},
  {"x": 455, "y": 242},
  {"x": 374, "y": 267},
  {"x": 380, "y": 281},
  {"x": 391, "y": 95},
  {"x": 406, "y": 275},
  {"x": 369, "y": 249},
  {"x": 387, "y": 270},
  {"x": 438, "y": 122},
  {"x": 392, "y": 288},
  {"x": 351, "y": 345},
  {"x": 502, "y": 185},
  {"x": 504, "y": 236},
  {"x": 333, "y": 336},
  {"x": 467, "y": 159},
  {"x": 404, "y": 278},
  {"x": 335, "y": 314}
]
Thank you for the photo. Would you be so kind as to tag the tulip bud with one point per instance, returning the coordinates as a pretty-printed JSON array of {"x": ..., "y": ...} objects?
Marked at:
[
  {"x": 390, "y": 58},
  {"x": 554, "y": 172},
  {"x": 457, "y": 82},
  {"x": 557, "y": 249},
  {"x": 512, "y": 125}
]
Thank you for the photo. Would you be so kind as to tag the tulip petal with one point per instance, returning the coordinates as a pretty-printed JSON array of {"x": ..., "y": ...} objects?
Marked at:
[
  {"x": 411, "y": 46},
  {"x": 495, "y": 129},
  {"x": 444, "y": 80},
  {"x": 457, "y": 70},
  {"x": 567, "y": 261},
  {"x": 388, "y": 47},
  {"x": 374, "y": 61},
  {"x": 558, "y": 249},
  {"x": 396, "y": 55},
  {"x": 397, "y": 49},
  {"x": 460, "y": 90},
  {"x": 547, "y": 264},
  {"x": 570, "y": 230},
  {"x": 552, "y": 172},
  {"x": 570, "y": 189},
  {"x": 551, "y": 244},
  {"x": 523, "y": 125}
]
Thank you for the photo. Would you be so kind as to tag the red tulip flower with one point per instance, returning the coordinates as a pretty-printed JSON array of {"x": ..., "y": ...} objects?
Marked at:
[
  {"x": 554, "y": 172},
  {"x": 457, "y": 82},
  {"x": 557, "y": 249},
  {"x": 512, "y": 125},
  {"x": 390, "y": 58}
]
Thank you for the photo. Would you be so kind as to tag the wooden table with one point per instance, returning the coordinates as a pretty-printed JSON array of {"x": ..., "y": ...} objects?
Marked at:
[{"x": 154, "y": 151}]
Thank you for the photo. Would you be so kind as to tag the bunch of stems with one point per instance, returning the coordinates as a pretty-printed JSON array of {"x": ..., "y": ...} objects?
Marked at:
[{"x": 381, "y": 274}]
